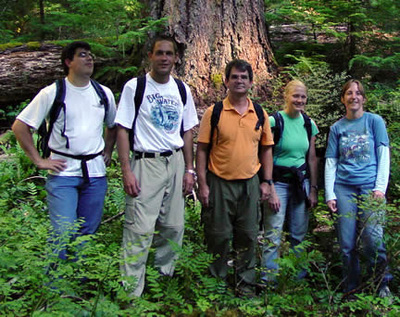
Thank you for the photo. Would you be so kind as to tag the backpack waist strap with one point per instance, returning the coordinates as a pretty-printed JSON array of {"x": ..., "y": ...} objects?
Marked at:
[{"x": 83, "y": 159}]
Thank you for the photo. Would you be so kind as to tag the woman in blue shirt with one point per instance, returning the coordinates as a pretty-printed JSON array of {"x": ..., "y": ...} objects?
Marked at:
[{"x": 357, "y": 172}]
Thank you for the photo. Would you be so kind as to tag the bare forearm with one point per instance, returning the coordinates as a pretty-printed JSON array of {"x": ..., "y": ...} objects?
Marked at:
[
  {"x": 24, "y": 137},
  {"x": 110, "y": 139},
  {"x": 123, "y": 148},
  {"x": 201, "y": 163},
  {"x": 313, "y": 163},
  {"x": 313, "y": 172},
  {"x": 188, "y": 149},
  {"x": 266, "y": 161}
]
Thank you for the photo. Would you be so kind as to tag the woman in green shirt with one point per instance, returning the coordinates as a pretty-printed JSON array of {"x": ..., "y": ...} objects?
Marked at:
[{"x": 295, "y": 177}]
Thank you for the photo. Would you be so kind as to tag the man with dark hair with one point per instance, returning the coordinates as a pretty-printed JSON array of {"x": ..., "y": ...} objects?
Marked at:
[
  {"x": 69, "y": 51},
  {"x": 76, "y": 184},
  {"x": 160, "y": 171},
  {"x": 227, "y": 162},
  {"x": 240, "y": 65}
]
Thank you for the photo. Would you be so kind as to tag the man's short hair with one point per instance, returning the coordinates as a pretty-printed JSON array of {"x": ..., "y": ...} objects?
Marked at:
[
  {"x": 241, "y": 65},
  {"x": 68, "y": 52},
  {"x": 163, "y": 37}
]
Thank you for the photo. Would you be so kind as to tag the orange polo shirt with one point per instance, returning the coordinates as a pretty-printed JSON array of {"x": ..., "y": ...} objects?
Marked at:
[{"x": 234, "y": 151}]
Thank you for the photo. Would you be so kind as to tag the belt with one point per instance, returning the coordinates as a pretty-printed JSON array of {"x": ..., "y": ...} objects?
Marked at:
[{"x": 139, "y": 155}]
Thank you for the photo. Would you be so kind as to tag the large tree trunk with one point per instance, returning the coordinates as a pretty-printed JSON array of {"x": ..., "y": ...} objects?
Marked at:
[{"x": 210, "y": 34}]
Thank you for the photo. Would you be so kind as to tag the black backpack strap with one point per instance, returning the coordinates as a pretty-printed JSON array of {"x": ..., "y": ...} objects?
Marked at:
[
  {"x": 102, "y": 94},
  {"x": 216, "y": 114},
  {"x": 278, "y": 128},
  {"x": 138, "y": 99},
  {"x": 260, "y": 115},
  {"x": 307, "y": 125},
  {"x": 44, "y": 133},
  {"x": 182, "y": 92},
  {"x": 57, "y": 106}
]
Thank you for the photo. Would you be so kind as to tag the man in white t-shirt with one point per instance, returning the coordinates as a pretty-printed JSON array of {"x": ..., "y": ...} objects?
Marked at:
[
  {"x": 76, "y": 184},
  {"x": 161, "y": 171}
]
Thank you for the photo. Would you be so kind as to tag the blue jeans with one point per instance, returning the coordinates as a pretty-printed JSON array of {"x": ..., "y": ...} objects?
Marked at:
[
  {"x": 355, "y": 225},
  {"x": 293, "y": 209},
  {"x": 69, "y": 200}
]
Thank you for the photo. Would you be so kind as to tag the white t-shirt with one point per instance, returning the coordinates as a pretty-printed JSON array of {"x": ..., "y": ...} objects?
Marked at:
[
  {"x": 160, "y": 115},
  {"x": 84, "y": 125}
]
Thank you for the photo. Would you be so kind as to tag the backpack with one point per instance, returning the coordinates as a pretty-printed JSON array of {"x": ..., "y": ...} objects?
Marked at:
[
  {"x": 217, "y": 113},
  {"x": 138, "y": 99},
  {"x": 279, "y": 126},
  {"x": 44, "y": 131}
]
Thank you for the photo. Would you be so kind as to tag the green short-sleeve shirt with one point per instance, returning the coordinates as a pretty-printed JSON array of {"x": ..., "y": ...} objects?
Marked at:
[{"x": 293, "y": 145}]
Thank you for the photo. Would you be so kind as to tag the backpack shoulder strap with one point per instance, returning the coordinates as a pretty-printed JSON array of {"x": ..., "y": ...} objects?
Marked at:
[
  {"x": 278, "y": 128},
  {"x": 102, "y": 94},
  {"x": 182, "y": 90},
  {"x": 56, "y": 109},
  {"x": 138, "y": 99},
  {"x": 216, "y": 114},
  {"x": 140, "y": 87},
  {"x": 58, "y": 102},
  {"x": 260, "y": 115},
  {"x": 45, "y": 130},
  {"x": 307, "y": 125}
]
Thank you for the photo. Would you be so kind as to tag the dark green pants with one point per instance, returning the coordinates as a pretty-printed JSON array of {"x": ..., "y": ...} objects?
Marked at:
[{"x": 231, "y": 225}]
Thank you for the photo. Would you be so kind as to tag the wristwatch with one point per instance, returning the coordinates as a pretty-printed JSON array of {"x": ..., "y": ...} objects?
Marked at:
[
  {"x": 268, "y": 181},
  {"x": 190, "y": 171}
]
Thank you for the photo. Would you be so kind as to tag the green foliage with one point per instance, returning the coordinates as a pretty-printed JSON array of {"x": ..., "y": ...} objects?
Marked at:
[
  {"x": 394, "y": 134},
  {"x": 33, "y": 281},
  {"x": 139, "y": 33},
  {"x": 380, "y": 68},
  {"x": 125, "y": 21},
  {"x": 363, "y": 33},
  {"x": 8, "y": 113}
]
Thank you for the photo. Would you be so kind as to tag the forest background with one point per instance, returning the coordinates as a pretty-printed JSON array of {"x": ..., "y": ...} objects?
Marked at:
[{"x": 320, "y": 42}]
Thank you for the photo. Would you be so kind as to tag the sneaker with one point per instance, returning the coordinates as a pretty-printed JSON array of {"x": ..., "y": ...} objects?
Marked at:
[{"x": 384, "y": 292}]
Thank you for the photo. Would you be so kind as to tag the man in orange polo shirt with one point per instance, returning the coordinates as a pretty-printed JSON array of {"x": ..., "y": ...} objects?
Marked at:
[{"x": 229, "y": 187}]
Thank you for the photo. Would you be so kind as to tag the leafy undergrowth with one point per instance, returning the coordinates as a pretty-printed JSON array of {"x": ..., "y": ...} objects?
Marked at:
[{"x": 33, "y": 282}]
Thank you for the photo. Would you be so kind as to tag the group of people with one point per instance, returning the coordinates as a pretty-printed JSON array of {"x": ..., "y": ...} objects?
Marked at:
[{"x": 244, "y": 159}]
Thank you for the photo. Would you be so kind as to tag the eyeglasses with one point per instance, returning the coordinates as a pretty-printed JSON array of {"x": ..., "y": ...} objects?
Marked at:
[{"x": 84, "y": 54}]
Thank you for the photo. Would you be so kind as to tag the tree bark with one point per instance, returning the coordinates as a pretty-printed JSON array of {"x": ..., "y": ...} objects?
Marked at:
[
  {"x": 210, "y": 34},
  {"x": 24, "y": 72}
]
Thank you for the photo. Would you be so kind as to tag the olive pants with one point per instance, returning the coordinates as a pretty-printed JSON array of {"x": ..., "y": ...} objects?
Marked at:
[{"x": 231, "y": 226}]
